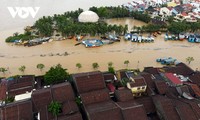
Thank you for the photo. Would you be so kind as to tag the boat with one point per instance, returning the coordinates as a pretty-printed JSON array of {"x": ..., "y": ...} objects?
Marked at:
[
  {"x": 128, "y": 36},
  {"x": 92, "y": 43},
  {"x": 191, "y": 38},
  {"x": 181, "y": 36},
  {"x": 134, "y": 37}
]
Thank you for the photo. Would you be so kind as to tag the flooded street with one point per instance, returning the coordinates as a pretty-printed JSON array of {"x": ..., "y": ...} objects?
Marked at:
[{"x": 50, "y": 54}]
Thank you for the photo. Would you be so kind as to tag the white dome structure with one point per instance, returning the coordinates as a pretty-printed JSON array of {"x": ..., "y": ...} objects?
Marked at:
[{"x": 88, "y": 16}]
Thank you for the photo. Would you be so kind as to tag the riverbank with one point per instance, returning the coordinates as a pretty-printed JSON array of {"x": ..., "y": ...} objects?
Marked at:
[{"x": 53, "y": 53}]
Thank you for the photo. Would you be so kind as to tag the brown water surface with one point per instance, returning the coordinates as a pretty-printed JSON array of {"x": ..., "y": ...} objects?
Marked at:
[{"x": 13, "y": 57}]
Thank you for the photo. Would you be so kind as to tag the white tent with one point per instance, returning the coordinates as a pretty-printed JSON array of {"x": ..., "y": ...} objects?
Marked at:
[{"x": 88, "y": 16}]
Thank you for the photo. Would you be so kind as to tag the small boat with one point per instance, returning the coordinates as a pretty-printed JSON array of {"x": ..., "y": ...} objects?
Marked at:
[
  {"x": 181, "y": 36},
  {"x": 77, "y": 44},
  {"x": 134, "y": 38},
  {"x": 92, "y": 43}
]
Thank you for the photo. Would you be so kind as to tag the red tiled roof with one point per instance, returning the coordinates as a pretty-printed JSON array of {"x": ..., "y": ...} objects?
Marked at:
[
  {"x": 3, "y": 89},
  {"x": 173, "y": 78},
  {"x": 184, "y": 14},
  {"x": 147, "y": 102},
  {"x": 161, "y": 86},
  {"x": 111, "y": 87},
  {"x": 86, "y": 82},
  {"x": 103, "y": 111},
  {"x": 123, "y": 95},
  {"x": 76, "y": 116},
  {"x": 184, "y": 110},
  {"x": 138, "y": 81},
  {"x": 95, "y": 96},
  {"x": 148, "y": 79},
  {"x": 195, "y": 89},
  {"x": 17, "y": 111},
  {"x": 195, "y": 78},
  {"x": 165, "y": 108},
  {"x": 132, "y": 111},
  {"x": 41, "y": 98},
  {"x": 69, "y": 107},
  {"x": 62, "y": 92}
]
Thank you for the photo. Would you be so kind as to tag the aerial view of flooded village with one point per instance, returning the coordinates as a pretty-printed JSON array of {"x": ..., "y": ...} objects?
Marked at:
[{"x": 100, "y": 60}]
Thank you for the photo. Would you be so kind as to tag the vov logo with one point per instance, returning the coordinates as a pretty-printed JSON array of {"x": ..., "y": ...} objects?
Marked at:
[{"x": 23, "y": 12}]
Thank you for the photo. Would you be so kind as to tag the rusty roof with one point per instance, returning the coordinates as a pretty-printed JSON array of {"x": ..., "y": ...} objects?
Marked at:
[
  {"x": 161, "y": 86},
  {"x": 89, "y": 81},
  {"x": 69, "y": 108},
  {"x": 76, "y": 116}
]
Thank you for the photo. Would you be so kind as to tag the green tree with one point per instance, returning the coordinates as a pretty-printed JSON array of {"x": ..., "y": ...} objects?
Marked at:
[
  {"x": 95, "y": 65},
  {"x": 126, "y": 62},
  {"x": 55, "y": 108},
  {"x": 40, "y": 66},
  {"x": 111, "y": 70},
  {"x": 22, "y": 68},
  {"x": 55, "y": 75},
  {"x": 189, "y": 59},
  {"x": 178, "y": 27},
  {"x": 78, "y": 65}
]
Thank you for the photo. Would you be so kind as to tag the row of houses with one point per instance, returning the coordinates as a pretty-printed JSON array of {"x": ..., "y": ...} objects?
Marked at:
[
  {"x": 189, "y": 11},
  {"x": 165, "y": 93}
]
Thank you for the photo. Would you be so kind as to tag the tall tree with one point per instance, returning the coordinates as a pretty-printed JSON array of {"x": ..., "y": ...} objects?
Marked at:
[{"x": 55, "y": 75}]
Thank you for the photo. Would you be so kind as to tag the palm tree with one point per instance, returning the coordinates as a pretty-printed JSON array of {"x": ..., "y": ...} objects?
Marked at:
[
  {"x": 126, "y": 62},
  {"x": 189, "y": 59},
  {"x": 95, "y": 65},
  {"x": 110, "y": 64},
  {"x": 40, "y": 66},
  {"x": 22, "y": 68},
  {"x": 78, "y": 65}
]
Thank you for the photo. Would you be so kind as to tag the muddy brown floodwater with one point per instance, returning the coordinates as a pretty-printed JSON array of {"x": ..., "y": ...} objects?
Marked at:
[{"x": 50, "y": 54}]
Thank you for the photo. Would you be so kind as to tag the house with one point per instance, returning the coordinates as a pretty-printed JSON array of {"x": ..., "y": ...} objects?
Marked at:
[
  {"x": 3, "y": 89},
  {"x": 165, "y": 12},
  {"x": 123, "y": 95},
  {"x": 184, "y": 92},
  {"x": 20, "y": 85},
  {"x": 148, "y": 104},
  {"x": 132, "y": 111},
  {"x": 173, "y": 80},
  {"x": 177, "y": 10},
  {"x": 184, "y": 110},
  {"x": 137, "y": 86},
  {"x": 195, "y": 78},
  {"x": 129, "y": 108},
  {"x": 161, "y": 87},
  {"x": 62, "y": 93},
  {"x": 165, "y": 108},
  {"x": 97, "y": 104},
  {"x": 21, "y": 110},
  {"x": 195, "y": 89}
]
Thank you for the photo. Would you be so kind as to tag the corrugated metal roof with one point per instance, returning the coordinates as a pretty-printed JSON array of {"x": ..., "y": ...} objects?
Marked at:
[{"x": 172, "y": 78}]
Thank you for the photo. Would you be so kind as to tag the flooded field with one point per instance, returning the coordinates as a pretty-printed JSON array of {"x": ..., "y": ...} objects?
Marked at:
[{"x": 50, "y": 54}]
